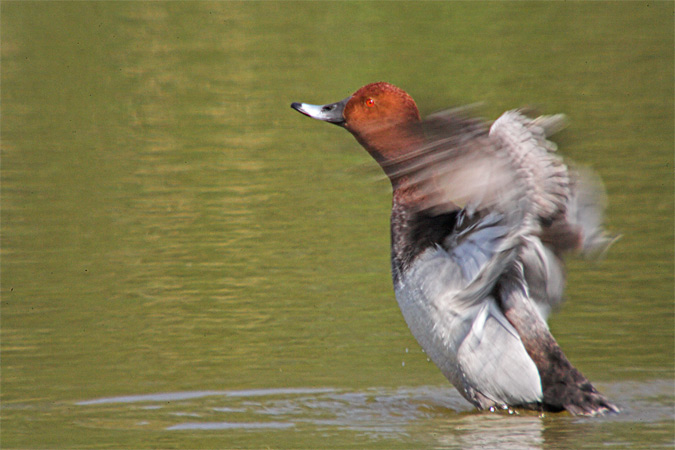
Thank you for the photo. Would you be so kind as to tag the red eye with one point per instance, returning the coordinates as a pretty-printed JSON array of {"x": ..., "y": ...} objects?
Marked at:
[{"x": 370, "y": 102}]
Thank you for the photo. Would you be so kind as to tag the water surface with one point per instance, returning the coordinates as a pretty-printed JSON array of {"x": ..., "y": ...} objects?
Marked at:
[{"x": 188, "y": 263}]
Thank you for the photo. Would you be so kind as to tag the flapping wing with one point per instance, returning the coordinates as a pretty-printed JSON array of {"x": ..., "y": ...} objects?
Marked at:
[
  {"x": 505, "y": 181},
  {"x": 543, "y": 173},
  {"x": 456, "y": 164}
]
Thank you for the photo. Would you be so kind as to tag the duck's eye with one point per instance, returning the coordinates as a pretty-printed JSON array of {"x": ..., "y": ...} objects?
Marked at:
[{"x": 370, "y": 102}]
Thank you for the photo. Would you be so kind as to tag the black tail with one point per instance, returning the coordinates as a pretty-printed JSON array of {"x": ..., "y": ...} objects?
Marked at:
[{"x": 564, "y": 387}]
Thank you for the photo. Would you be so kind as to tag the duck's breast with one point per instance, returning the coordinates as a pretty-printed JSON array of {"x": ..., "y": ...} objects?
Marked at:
[{"x": 465, "y": 334}]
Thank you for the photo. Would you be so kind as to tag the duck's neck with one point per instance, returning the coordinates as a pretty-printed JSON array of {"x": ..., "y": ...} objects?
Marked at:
[
  {"x": 387, "y": 146},
  {"x": 413, "y": 230}
]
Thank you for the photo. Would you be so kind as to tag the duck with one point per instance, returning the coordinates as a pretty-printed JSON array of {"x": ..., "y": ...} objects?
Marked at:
[{"x": 483, "y": 215}]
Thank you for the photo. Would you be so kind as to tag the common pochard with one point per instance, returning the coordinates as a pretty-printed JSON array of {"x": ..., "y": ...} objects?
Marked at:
[{"x": 481, "y": 218}]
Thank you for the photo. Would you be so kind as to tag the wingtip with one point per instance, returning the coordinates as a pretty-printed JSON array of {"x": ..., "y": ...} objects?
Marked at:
[{"x": 551, "y": 124}]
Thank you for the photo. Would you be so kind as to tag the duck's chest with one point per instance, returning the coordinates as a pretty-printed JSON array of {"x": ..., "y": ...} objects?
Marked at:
[
  {"x": 413, "y": 233},
  {"x": 422, "y": 275},
  {"x": 426, "y": 294},
  {"x": 464, "y": 332}
]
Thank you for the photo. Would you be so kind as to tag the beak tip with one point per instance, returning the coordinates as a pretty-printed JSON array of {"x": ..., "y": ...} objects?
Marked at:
[{"x": 331, "y": 113}]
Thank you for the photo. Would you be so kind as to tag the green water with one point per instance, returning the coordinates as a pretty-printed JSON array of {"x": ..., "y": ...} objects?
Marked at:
[{"x": 188, "y": 263}]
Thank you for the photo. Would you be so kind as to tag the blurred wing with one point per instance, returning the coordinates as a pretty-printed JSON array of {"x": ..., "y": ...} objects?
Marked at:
[
  {"x": 544, "y": 174},
  {"x": 504, "y": 180},
  {"x": 585, "y": 213},
  {"x": 457, "y": 165}
]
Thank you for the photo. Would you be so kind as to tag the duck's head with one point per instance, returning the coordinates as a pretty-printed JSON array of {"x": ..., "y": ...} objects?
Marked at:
[{"x": 377, "y": 115}]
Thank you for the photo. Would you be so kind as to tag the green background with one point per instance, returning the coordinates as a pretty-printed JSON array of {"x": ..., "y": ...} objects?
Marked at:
[{"x": 170, "y": 225}]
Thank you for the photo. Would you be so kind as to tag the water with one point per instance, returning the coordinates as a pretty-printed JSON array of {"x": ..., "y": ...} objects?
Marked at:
[{"x": 188, "y": 263}]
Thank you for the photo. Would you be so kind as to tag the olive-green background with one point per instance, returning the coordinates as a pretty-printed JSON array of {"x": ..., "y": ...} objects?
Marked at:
[{"x": 171, "y": 226}]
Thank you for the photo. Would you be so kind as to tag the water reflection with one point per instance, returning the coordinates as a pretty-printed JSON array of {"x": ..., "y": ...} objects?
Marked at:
[
  {"x": 178, "y": 396},
  {"x": 480, "y": 431},
  {"x": 385, "y": 414}
]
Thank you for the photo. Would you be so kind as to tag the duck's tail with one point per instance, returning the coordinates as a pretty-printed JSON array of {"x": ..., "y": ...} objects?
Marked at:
[
  {"x": 563, "y": 386},
  {"x": 585, "y": 400}
]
